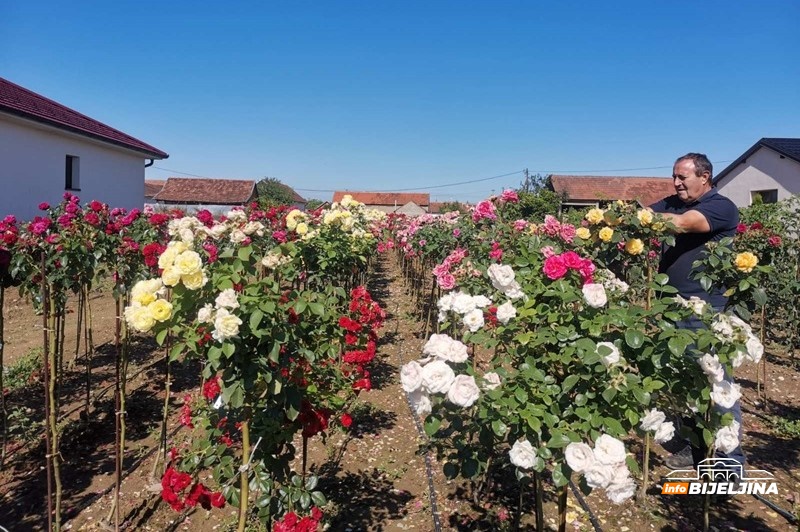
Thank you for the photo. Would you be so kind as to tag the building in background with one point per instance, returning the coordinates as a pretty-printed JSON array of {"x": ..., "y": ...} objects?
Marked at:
[
  {"x": 595, "y": 191},
  {"x": 769, "y": 170},
  {"x": 48, "y": 149}
]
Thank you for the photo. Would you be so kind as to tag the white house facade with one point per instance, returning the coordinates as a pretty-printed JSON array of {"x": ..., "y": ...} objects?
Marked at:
[
  {"x": 48, "y": 149},
  {"x": 770, "y": 169}
]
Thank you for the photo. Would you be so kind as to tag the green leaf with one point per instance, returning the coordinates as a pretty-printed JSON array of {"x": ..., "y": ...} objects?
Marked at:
[
  {"x": 499, "y": 428},
  {"x": 255, "y": 319},
  {"x": 760, "y": 296},
  {"x": 244, "y": 253},
  {"x": 305, "y": 500},
  {"x": 559, "y": 478},
  {"x": 641, "y": 396},
  {"x": 450, "y": 470},
  {"x": 432, "y": 424},
  {"x": 317, "y": 309},
  {"x": 634, "y": 338},
  {"x": 161, "y": 335},
  {"x": 318, "y": 498},
  {"x": 609, "y": 394},
  {"x": 569, "y": 382},
  {"x": 613, "y": 426},
  {"x": 228, "y": 349},
  {"x": 311, "y": 482}
]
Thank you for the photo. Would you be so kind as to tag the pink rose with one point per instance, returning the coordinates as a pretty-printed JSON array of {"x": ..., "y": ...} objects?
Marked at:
[
  {"x": 552, "y": 226},
  {"x": 446, "y": 281},
  {"x": 496, "y": 254},
  {"x": 509, "y": 196},
  {"x": 547, "y": 251},
  {"x": 520, "y": 225},
  {"x": 44, "y": 206},
  {"x": 554, "y": 267},
  {"x": 572, "y": 260},
  {"x": 484, "y": 209},
  {"x": 567, "y": 233}
]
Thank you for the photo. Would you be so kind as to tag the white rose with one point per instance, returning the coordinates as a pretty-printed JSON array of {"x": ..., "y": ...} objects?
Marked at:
[
  {"x": 755, "y": 349},
  {"x": 252, "y": 227},
  {"x": 522, "y": 454},
  {"x": 621, "y": 472},
  {"x": 595, "y": 295},
  {"x": 227, "y": 299},
  {"x": 481, "y": 301},
  {"x": 238, "y": 236},
  {"x": 619, "y": 492},
  {"x": 437, "y": 377},
  {"x": 697, "y": 305},
  {"x": 443, "y": 347},
  {"x": 462, "y": 303},
  {"x": 664, "y": 432},
  {"x": 727, "y": 438},
  {"x": 609, "y": 450},
  {"x": 420, "y": 402},
  {"x": 139, "y": 317},
  {"x": 473, "y": 319},
  {"x": 411, "y": 376},
  {"x": 712, "y": 367},
  {"x": 236, "y": 215},
  {"x": 611, "y": 358},
  {"x": 226, "y": 325},
  {"x": 445, "y": 302},
  {"x": 463, "y": 392},
  {"x": 217, "y": 230},
  {"x": 205, "y": 314},
  {"x": 491, "y": 380},
  {"x": 723, "y": 327},
  {"x": 501, "y": 275},
  {"x": 505, "y": 312},
  {"x": 580, "y": 457},
  {"x": 599, "y": 475},
  {"x": 513, "y": 291},
  {"x": 725, "y": 394},
  {"x": 652, "y": 420}
]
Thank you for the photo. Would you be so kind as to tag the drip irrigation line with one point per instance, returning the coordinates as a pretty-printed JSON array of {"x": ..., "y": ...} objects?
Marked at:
[
  {"x": 437, "y": 522},
  {"x": 787, "y": 515},
  {"x": 586, "y": 508}
]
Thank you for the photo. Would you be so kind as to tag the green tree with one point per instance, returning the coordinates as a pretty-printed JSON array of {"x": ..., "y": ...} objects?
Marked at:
[
  {"x": 450, "y": 206},
  {"x": 313, "y": 203},
  {"x": 536, "y": 199},
  {"x": 271, "y": 192}
]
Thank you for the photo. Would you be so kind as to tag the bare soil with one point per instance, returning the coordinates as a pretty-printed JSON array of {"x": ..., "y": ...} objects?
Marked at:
[{"x": 374, "y": 475}]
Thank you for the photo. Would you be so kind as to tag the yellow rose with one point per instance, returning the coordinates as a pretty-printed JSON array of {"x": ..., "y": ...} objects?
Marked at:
[
  {"x": 160, "y": 309},
  {"x": 605, "y": 234},
  {"x": 645, "y": 216},
  {"x": 167, "y": 258},
  {"x": 301, "y": 228},
  {"x": 659, "y": 226},
  {"x": 188, "y": 263},
  {"x": 745, "y": 262},
  {"x": 139, "y": 317},
  {"x": 583, "y": 233},
  {"x": 171, "y": 276},
  {"x": 194, "y": 281},
  {"x": 594, "y": 216},
  {"x": 143, "y": 298},
  {"x": 634, "y": 246},
  {"x": 292, "y": 219}
]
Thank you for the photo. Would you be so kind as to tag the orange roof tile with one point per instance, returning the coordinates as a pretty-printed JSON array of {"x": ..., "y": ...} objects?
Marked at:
[
  {"x": 647, "y": 190},
  {"x": 153, "y": 187},
  {"x": 209, "y": 191}
]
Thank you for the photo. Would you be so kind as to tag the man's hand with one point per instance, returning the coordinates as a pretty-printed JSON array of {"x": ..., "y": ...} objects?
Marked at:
[{"x": 688, "y": 222}]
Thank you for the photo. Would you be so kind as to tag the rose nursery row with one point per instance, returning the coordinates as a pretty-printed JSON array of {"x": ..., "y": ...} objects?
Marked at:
[
  {"x": 272, "y": 304},
  {"x": 555, "y": 343}
]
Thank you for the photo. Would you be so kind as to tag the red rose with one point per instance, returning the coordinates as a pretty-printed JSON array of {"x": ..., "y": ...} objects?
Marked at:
[{"x": 346, "y": 420}]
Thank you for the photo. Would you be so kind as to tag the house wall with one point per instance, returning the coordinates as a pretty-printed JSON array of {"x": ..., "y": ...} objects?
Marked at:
[
  {"x": 33, "y": 169},
  {"x": 764, "y": 170}
]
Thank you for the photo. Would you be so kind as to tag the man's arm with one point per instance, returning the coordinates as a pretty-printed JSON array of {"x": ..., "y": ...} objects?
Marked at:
[{"x": 688, "y": 222}]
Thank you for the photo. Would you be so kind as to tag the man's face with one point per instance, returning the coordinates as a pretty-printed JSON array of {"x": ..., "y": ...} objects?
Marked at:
[{"x": 688, "y": 185}]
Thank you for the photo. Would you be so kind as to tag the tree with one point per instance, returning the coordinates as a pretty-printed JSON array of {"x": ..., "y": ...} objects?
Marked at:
[
  {"x": 313, "y": 204},
  {"x": 537, "y": 198},
  {"x": 450, "y": 206},
  {"x": 271, "y": 192}
]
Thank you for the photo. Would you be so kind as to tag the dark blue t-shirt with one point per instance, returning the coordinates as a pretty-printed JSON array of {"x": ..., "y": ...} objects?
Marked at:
[{"x": 676, "y": 261}]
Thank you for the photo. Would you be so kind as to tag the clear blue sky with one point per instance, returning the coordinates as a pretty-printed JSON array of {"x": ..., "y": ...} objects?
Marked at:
[{"x": 386, "y": 95}]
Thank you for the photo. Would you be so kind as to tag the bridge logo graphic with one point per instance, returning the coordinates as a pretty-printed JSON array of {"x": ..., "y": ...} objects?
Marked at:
[{"x": 719, "y": 476}]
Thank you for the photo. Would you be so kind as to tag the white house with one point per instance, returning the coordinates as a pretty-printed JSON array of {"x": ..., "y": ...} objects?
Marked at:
[
  {"x": 770, "y": 169},
  {"x": 47, "y": 149}
]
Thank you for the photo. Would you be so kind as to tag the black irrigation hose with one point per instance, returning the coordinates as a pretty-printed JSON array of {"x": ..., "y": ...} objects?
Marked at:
[
  {"x": 787, "y": 515},
  {"x": 586, "y": 508},
  {"x": 437, "y": 522}
]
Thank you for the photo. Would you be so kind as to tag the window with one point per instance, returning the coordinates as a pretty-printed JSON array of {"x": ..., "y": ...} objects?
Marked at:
[
  {"x": 763, "y": 196},
  {"x": 72, "y": 179}
]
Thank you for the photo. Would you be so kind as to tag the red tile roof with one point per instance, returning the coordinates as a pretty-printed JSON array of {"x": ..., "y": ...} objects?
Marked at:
[
  {"x": 27, "y": 104},
  {"x": 153, "y": 187},
  {"x": 647, "y": 190},
  {"x": 385, "y": 198},
  {"x": 207, "y": 191}
]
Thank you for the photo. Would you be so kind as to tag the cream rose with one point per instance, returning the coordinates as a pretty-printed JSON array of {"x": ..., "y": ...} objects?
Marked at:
[
  {"x": 160, "y": 309},
  {"x": 139, "y": 318},
  {"x": 227, "y": 299},
  {"x": 205, "y": 314},
  {"x": 226, "y": 325},
  {"x": 188, "y": 262},
  {"x": 171, "y": 276},
  {"x": 194, "y": 281}
]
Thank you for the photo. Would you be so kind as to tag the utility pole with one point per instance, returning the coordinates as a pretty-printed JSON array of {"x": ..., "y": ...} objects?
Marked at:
[{"x": 527, "y": 185}]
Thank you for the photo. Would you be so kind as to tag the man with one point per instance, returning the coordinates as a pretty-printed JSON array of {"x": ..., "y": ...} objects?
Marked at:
[{"x": 700, "y": 215}]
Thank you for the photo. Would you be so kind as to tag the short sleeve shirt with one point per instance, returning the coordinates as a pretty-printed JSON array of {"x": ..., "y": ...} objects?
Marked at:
[{"x": 677, "y": 260}]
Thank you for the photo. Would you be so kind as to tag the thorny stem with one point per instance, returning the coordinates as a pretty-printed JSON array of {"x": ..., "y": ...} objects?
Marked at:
[{"x": 244, "y": 475}]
